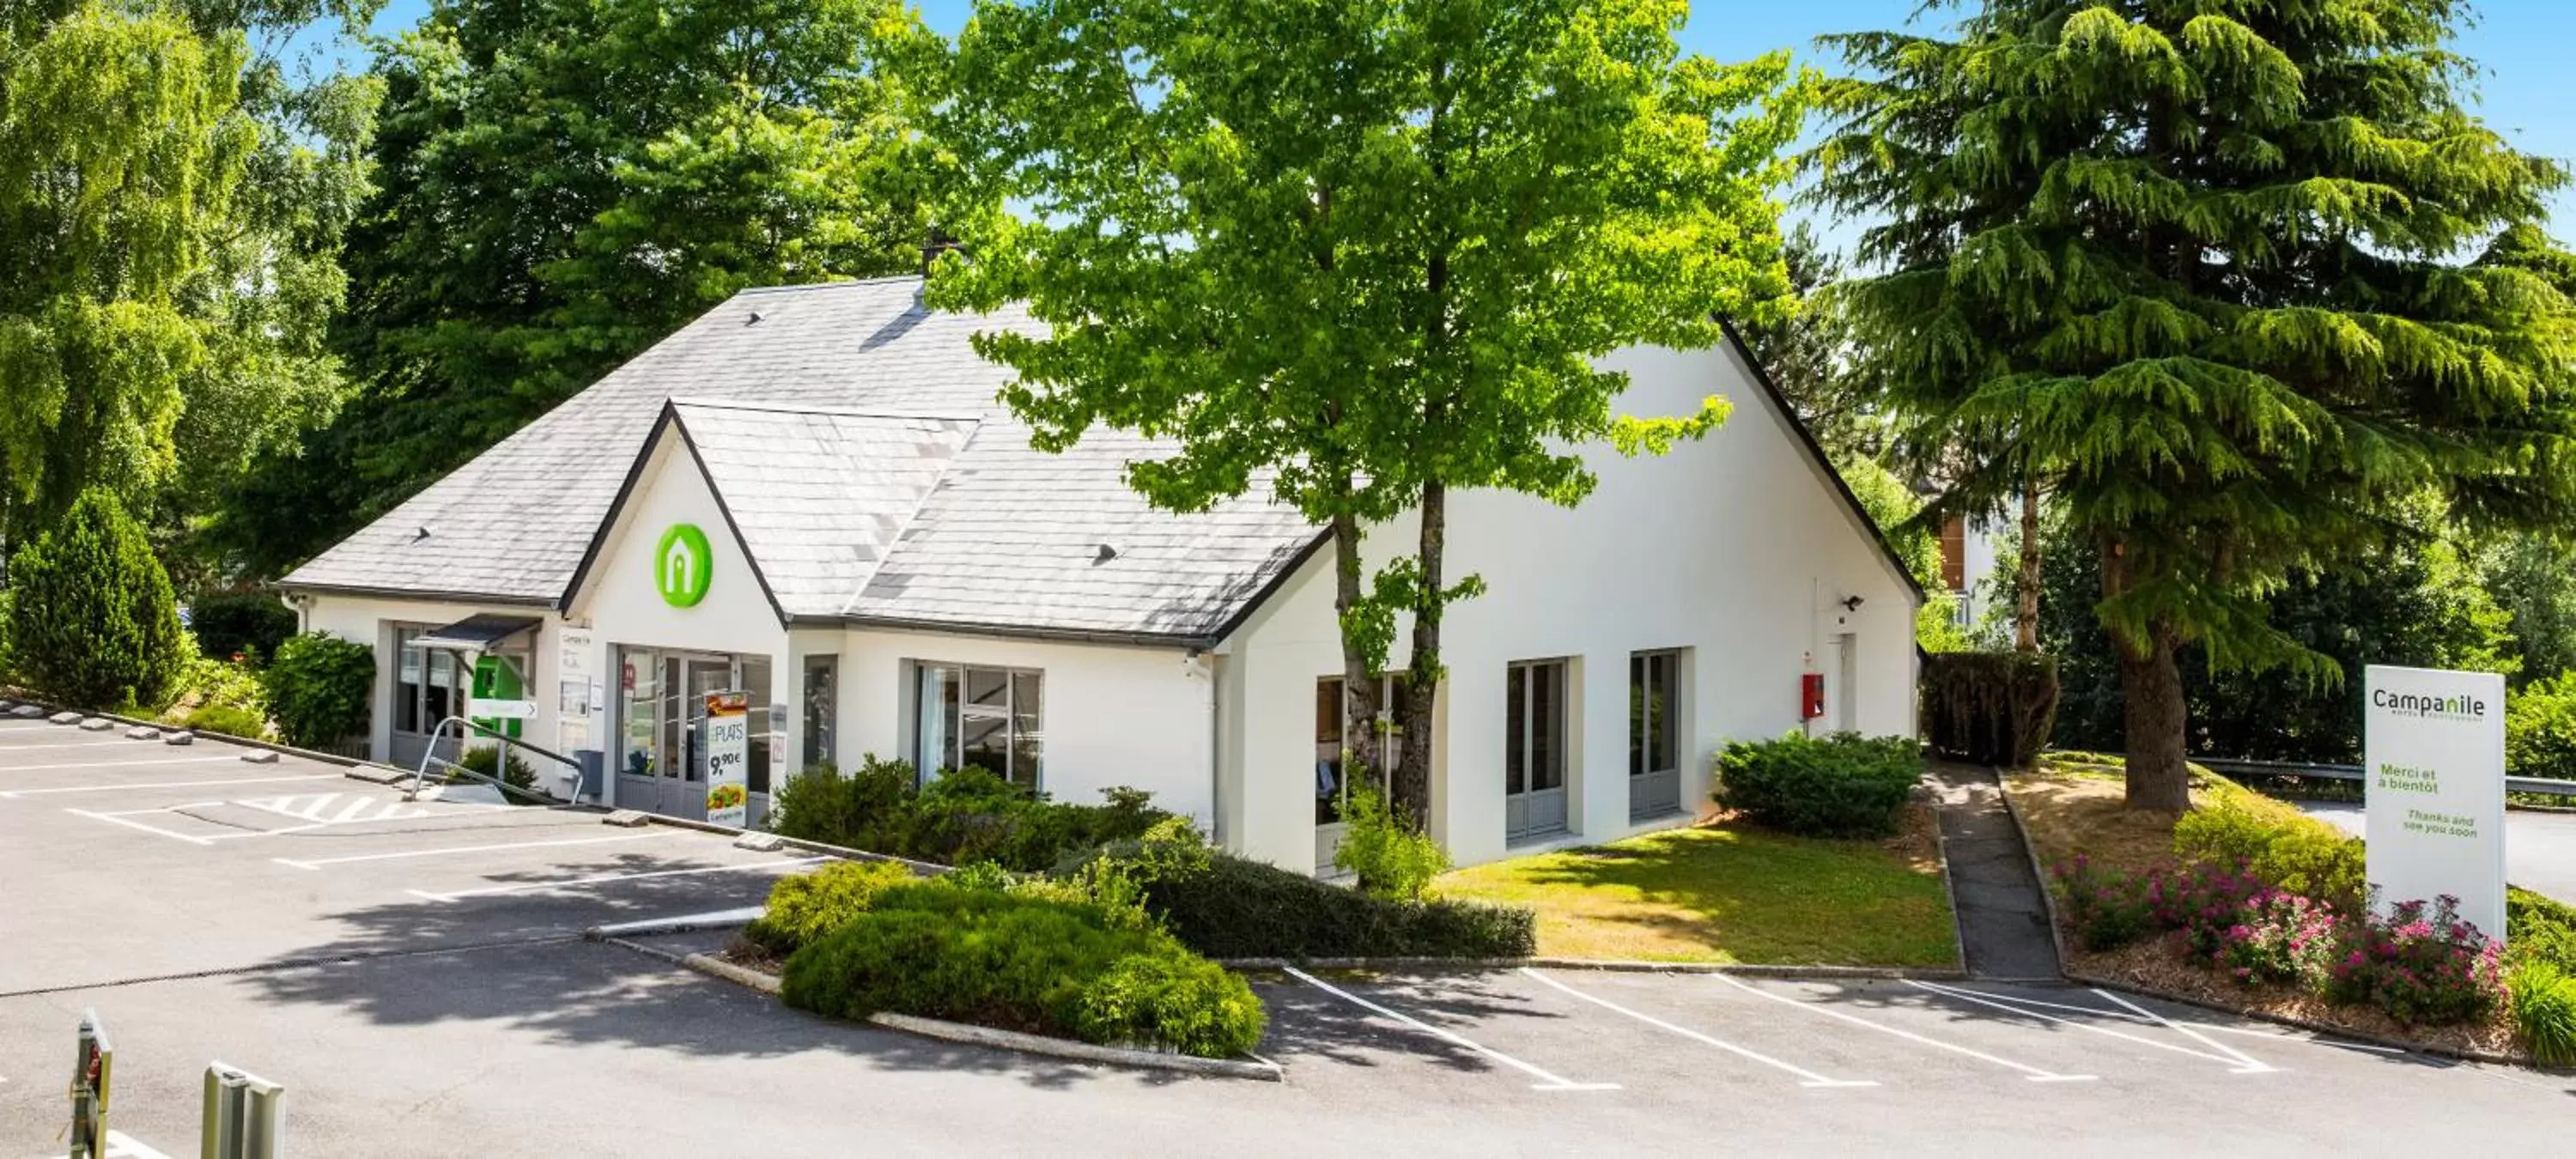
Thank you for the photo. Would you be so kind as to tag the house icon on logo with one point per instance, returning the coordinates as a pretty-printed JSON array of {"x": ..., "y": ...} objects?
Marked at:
[{"x": 680, "y": 565}]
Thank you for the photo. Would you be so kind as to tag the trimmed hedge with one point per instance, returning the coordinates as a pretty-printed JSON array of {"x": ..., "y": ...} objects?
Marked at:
[
  {"x": 803, "y": 907},
  {"x": 92, "y": 622},
  {"x": 966, "y": 815},
  {"x": 1992, "y": 708},
  {"x": 1023, "y": 963},
  {"x": 1233, "y": 907},
  {"x": 1844, "y": 785},
  {"x": 2300, "y": 854},
  {"x": 319, "y": 687}
]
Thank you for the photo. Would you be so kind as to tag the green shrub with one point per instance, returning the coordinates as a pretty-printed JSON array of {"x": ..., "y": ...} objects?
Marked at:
[
  {"x": 1233, "y": 907},
  {"x": 1993, "y": 708},
  {"x": 806, "y": 906},
  {"x": 2541, "y": 929},
  {"x": 248, "y": 624},
  {"x": 2544, "y": 1010},
  {"x": 206, "y": 682},
  {"x": 2108, "y": 908},
  {"x": 91, "y": 619},
  {"x": 965, "y": 816},
  {"x": 1844, "y": 785},
  {"x": 2540, "y": 729},
  {"x": 482, "y": 761},
  {"x": 319, "y": 687},
  {"x": 2299, "y": 854},
  {"x": 1384, "y": 849},
  {"x": 226, "y": 720},
  {"x": 1021, "y": 963}
]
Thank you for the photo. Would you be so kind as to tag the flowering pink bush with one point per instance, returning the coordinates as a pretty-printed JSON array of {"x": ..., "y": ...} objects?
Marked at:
[
  {"x": 2205, "y": 902},
  {"x": 2108, "y": 907},
  {"x": 2419, "y": 964},
  {"x": 2281, "y": 937}
]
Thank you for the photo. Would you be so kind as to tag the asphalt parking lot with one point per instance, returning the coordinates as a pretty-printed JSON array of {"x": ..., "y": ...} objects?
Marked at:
[{"x": 413, "y": 974}]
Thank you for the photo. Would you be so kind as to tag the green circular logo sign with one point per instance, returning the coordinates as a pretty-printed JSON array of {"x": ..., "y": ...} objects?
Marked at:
[{"x": 681, "y": 564}]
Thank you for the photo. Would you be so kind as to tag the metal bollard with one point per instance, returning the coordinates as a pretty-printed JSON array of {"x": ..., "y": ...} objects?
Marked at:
[
  {"x": 90, "y": 1074},
  {"x": 241, "y": 1120}
]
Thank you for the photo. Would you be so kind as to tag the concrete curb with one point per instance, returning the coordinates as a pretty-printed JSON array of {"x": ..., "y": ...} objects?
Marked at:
[
  {"x": 1950, "y": 885},
  {"x": 361, "y": 770},
  {"x": 986, "y": 1036},
  {"x": 2047, "y": 896},
  {"x": 919, "y": 868},
  {"x": 2327, "y": 1029},
  {"x": 1607, "y": 965}
]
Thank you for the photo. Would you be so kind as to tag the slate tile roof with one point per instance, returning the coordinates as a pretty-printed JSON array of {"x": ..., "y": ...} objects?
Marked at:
[{"x": 856, "y": 440}]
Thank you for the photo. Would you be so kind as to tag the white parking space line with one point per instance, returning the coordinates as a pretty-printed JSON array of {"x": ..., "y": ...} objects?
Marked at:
[
  {"x": 119, "y": 764},
  {"x": 319, "y": 862},
  {"x": 14, "y": 794},
  {"x": 1807, "y": 1078},
  {"x": 2032, "y": 1073},
  {"x": 119, "y": 742},
  {"x": 2247, "y": 1063},
  {"x": 129, "y": 823},
  {"x": 1548, "y": 1081},
  {"x": 2238, "y": 1064},
  {"x": 607, "y": 878}
]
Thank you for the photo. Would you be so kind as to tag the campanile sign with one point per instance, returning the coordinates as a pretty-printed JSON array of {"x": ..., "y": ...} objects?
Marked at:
[{"x": 2434, "y": 743}]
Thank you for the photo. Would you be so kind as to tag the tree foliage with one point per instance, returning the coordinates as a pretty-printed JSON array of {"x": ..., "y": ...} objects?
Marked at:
[
  {"x": 1362, "y": 252},
  {"x": 171, "y": 203},
  {"x": 92, "y": 621},
  {"x": 564, "y": 182},
  {"x": 2220, "y": 275},
  {"x": 1807, "y": 355}
]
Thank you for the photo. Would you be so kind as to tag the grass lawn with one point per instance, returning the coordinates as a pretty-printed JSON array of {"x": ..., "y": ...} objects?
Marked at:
[{"x": 1726, "y": 892}]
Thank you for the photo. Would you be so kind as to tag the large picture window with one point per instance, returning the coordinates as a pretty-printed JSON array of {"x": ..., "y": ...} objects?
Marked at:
[{"x": 988, "y": 718}]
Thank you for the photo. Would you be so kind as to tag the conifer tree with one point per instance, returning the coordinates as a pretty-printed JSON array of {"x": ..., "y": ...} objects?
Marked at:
[{"x": 2218, "y": 272}]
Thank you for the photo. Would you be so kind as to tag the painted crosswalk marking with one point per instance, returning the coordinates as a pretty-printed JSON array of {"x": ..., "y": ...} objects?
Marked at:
[{"x": 325, "y": 809}]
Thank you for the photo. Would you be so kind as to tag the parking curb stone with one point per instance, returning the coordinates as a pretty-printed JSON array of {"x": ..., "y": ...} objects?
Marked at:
[{"x": 986, "y": 1036}]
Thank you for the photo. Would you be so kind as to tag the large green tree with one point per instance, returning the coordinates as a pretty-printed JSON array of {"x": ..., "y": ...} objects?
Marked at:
[
  {"x": 1363, "y": 251},
  {"x": 564, "y": 182},
  {"x": 2214, "y": 270},
  {"x": 172, "y": 195}
]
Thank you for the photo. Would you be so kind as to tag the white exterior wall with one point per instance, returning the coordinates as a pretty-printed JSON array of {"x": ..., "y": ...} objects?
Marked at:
[
  {"x": 1112, "y": 715},
  {"x": 1736, "y": 548},
  {"x": 371, "y": 621}
]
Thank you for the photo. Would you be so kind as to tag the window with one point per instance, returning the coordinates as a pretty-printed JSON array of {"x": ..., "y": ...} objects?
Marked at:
[
  {"x": 1332, "y": 788},
  {"x": 822, "y": 710},
  {"x": 762, "y": 720},
  {"x": 1654, "y": 744},
  {"x": 1653, "y": 690},
  {"x": 1534, "y": 749},
  {"x": 429, "y": 683},
  {"x": 990, "y": 718},
  {"x": 639, "y": 717}
]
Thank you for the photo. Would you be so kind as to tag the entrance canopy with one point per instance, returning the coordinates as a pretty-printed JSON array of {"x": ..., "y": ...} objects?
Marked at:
[{"x": 477, "y": 633}]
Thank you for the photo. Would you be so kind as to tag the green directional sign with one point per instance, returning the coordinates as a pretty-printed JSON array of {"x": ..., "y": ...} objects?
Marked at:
[{"x": 681, "y": 565}]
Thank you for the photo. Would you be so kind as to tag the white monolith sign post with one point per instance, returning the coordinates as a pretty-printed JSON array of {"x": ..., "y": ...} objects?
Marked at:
[{"x": 2434, "y": 743}]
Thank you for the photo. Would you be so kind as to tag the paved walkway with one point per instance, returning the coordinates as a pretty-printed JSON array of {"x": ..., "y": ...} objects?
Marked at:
[{"x": 2003, "y": 921}]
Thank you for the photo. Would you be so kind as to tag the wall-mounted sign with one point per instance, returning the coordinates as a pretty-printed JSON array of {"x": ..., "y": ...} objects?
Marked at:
[
  {"x": 682, "y": 565},
  {"x": 728, "y": 737},
  {"x": 2434, "y": 741}
]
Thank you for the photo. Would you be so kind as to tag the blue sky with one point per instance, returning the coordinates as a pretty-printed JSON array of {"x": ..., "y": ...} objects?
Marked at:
[{"x": 2524, "y": 45}]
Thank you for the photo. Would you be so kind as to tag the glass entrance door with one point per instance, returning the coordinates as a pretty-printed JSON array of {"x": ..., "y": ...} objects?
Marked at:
[{"x": 662, "y": 765}]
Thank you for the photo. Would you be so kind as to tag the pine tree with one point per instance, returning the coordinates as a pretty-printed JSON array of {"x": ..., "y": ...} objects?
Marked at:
[
  {"x": 92, "y": 621},
  {"x": 2216, "y": 272}
]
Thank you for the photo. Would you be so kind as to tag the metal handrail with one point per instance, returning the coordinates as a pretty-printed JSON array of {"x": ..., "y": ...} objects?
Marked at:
[
  {"x": 429, "y": 756},
  {"x": 2541, "y": 785}
]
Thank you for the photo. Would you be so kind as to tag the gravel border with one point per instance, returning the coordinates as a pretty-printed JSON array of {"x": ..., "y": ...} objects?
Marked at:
[{"x": 959, "y": 1032}]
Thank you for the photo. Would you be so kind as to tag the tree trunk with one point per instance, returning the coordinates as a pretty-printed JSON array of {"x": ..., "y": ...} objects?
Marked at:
[
  {"x": 1359, "y": 685},
  {"x": 1412, "y": 788},
  {"x": 2151, "y": 694},
  {"x": 2026, "y": 576}
]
